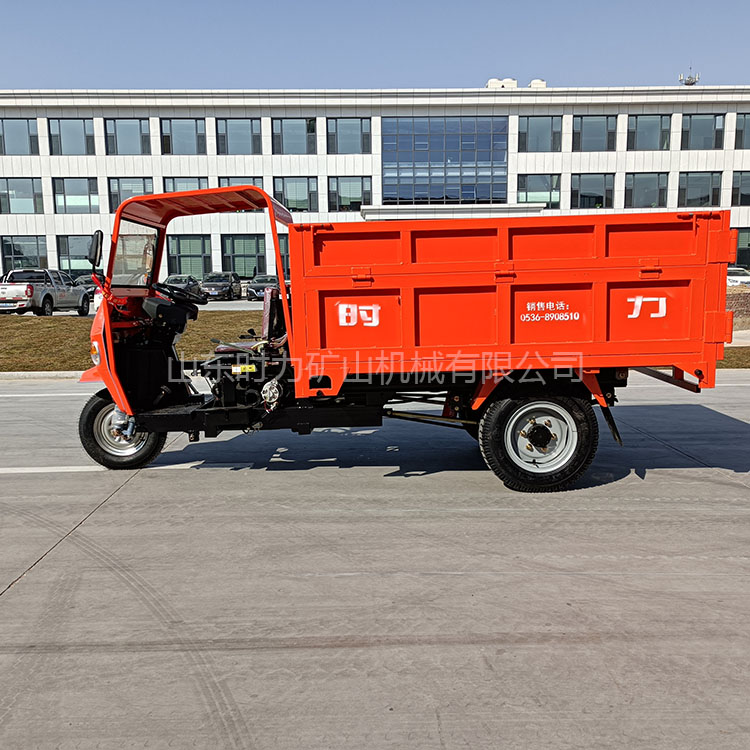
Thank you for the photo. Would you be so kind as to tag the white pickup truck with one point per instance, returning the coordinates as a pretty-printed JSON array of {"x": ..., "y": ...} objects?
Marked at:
[{"x": 42, "y": 291}]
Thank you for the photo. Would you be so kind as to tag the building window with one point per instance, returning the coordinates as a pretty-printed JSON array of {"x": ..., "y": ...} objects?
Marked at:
[
  {"x": 539, "y": 134},
  {"x": 238, "y": 136},
  {"x": 742, "y": 133},
  {"x": 71, "y": 137},
  {"x": 23, "y": 252},
  {"x": 122, "y": 188},
  {"x": 244, "y": 254},
  {"x": 189, "y": 254},
  {"x": 646, "y": 190},
  {"x": 349, "y": 135},
  {"x": 18, "y": 137},
  {"x": 699, "y": 189},
  {"x": 741, "y": 189},
  {"x": 130, "y": 137},
  {"x": 349, "y": 193},
  {"x": 648, "y": 132},
  {"x": 592, "y": 190},
  {"x": 19, "y": 195},
  {"x": 179, "y": 184},
  {"x": 594, "y": 133},
  {"x": 445, "y": 160},
  {"x": 284, "y": 252},
  {"x": 75, "y": 195},
  {"x": 294, "y": 135},
  {"x": 297, "y": 193},
  {"x": 539, "y": 188},
  {"x": 238, "y": 181},
  {"x": 702, "y": 132},
  {"x": 743, "y": 248},
  {"x": 73, "y": 254},
  {"x": 183, "y": 136}
]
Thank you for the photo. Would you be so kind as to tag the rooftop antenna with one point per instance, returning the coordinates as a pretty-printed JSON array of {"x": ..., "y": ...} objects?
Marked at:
[{"x": 689, "y": 79}]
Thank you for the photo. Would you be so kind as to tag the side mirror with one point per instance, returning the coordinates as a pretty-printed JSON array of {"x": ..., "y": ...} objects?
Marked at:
[{"x": 95, "y": 248}]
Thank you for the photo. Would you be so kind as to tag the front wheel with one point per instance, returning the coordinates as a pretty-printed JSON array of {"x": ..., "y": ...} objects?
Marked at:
[
  {"x": 539, "y": 444},
  {"x": 83, "y": 308},
  {"x": 109, "y": 449}
]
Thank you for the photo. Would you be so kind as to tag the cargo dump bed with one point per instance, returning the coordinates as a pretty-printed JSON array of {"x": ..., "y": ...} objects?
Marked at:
[{"x": 498, "y": 295}]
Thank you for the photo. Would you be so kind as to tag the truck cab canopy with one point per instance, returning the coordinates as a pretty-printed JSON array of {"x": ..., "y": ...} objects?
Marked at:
[
  {"x": 159, "y": 210},
  {"x": 141, "y": 223}
]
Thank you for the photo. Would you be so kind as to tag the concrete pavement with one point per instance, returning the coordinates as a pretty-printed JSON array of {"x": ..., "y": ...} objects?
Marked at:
[
  {"x": 741, "y": 338},
  {"x": 376, "y": 588}
]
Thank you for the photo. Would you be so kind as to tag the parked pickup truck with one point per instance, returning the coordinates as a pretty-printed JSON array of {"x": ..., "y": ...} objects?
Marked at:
[{"x": 42, "y": 292}]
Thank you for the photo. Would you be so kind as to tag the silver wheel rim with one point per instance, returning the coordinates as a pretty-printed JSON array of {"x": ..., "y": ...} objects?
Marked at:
[
  {"x": 116, "y": 444},
  {"x": 545, "y": 420}
]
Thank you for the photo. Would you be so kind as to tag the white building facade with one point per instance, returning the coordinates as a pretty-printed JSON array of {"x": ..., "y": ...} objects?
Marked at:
[{"x": 67, "y": 158}]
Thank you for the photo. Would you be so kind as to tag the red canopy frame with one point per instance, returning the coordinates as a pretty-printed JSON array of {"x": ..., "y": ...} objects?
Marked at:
[{"x": 158, "y": 210}]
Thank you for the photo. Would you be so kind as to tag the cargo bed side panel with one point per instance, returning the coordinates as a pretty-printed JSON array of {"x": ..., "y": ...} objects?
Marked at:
[{"x": 496, "y": 294}]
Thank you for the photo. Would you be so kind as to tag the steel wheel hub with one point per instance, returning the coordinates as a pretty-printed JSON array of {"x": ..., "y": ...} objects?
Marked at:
[
  {"x": 540, "y": 437},
  {"x": 113, "y": 442}
]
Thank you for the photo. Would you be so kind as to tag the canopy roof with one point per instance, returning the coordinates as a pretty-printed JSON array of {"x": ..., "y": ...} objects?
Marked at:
[{"x": 159, "y": 210}]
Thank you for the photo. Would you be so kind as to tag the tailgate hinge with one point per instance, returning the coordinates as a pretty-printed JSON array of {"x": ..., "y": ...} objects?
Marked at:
[
  {"x": 650, "y": 268},
  {"x": 504, "y": 273},
  {"x": 362, "y": 276}
]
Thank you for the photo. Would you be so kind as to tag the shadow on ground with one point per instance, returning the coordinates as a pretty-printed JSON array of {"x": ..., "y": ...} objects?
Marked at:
[{"x": 674, "y": 436}]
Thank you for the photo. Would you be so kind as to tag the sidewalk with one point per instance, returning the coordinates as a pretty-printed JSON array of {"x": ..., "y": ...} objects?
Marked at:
[{"x": 741, "y": 338}]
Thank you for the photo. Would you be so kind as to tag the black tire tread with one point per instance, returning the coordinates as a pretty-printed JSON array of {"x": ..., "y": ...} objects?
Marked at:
[
  {"x": 85, "y": 431},
  {"x": 557, "y": 482},
  {"x": 86, "y": 305}
]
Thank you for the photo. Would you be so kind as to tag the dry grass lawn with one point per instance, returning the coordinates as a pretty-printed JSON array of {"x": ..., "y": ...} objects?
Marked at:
[{"x": 28, "y": 343}]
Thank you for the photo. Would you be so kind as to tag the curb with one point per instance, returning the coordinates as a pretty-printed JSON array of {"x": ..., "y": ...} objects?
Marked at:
[{"x": 48, "y": 374}]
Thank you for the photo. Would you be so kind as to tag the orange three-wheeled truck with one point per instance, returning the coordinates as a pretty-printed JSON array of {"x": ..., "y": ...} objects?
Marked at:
[{"x": 514, "y": 326}]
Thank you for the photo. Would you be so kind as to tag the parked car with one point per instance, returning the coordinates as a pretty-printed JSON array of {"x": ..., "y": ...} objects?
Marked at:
[
  {"x": 737, "y": 276},
  {"x": 222, "y": 285},
  {"x": 257, "y": 286},
  {"x": 42, "y": 291},
  {"x": 85, "y": 282},
  {"x": 186, "y": 282}
]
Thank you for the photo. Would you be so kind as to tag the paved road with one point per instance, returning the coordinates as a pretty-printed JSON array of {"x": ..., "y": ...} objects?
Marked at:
[{"x": 376, "y": 588}]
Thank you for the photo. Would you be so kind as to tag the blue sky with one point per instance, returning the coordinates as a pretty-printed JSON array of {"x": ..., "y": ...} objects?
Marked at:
[{"x": 384, "y": 44}]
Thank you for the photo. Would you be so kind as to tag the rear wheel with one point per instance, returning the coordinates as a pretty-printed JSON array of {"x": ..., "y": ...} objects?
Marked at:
[
  {"x": 95, "y": 428},
  {"x": 539, "y": 444},
  {"x": 46, "y": 309}
]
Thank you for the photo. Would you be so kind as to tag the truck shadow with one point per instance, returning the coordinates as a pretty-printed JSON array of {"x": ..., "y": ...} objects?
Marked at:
[
  {"x": 674, "y": 436},
  {"x": 670, "y": 436}
]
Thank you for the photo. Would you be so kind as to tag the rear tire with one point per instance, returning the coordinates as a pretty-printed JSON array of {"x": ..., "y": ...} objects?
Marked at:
[
  {"x": 46, "y": 309},
  {"x": 107, "y": 449},
  {"x": 539, "y": 443}
]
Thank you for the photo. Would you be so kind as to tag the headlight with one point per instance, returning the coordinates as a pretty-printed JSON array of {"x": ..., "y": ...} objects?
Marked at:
[{"x": 95, "y": 356}]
